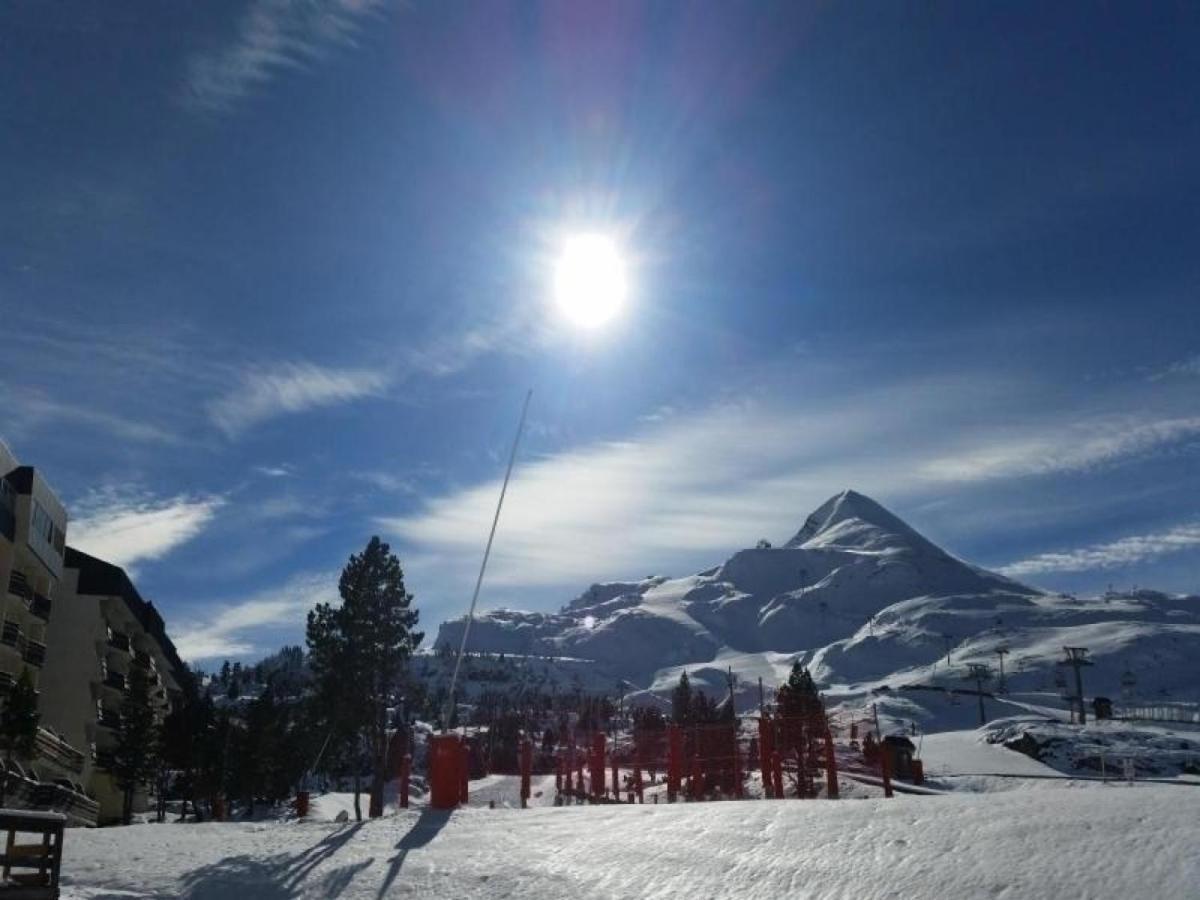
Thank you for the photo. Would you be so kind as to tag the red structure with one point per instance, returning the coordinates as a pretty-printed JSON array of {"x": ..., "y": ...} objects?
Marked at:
[
  {"x": 464, "y": 771},
  {"x": 596, "y": 764},
  {"x": 447, "y": 771},
  {"x": 526, "y": 771},
  {"x": 405, "y": 773},
  {"x": 616, "y": 782},
  {"x": 885, "y": 769},
  {"x": 674, "y": 761},
  {"x": 831, "y": 775},
  {"x": 766, "y": 752}
]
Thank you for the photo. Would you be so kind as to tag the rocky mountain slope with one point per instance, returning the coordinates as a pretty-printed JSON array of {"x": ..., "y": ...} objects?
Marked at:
[{"x": 869, "y": 604}]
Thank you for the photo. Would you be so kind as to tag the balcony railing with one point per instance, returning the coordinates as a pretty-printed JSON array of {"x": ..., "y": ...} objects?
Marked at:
[
  {"x": 7, "y": 680},
  {"x": 118, "y": 640},
  {"x": 145, "y": 660},
  {"x": 18, "y": 585},
  {"x": 10, "y": 633},
  {"x": 35, "y": 653},
  {"x": 53, "y": 748},
  {"x": 39, "y": 605},
  {"x": 115, "y": 680},
  {"x": 108, "y": 718}
]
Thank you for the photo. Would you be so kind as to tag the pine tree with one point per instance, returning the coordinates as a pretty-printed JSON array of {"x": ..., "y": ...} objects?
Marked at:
[
  {"x": 19, "y": 724},
  {"x": 357, "y": 652},
  {"x": 681, "y": 701},
  {"x": 135, "y": 757}
]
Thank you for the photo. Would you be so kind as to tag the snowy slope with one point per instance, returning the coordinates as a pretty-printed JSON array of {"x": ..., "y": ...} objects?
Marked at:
[
  {"x": 870, "y": 605},
  {"x": 1094, "y": 841}
]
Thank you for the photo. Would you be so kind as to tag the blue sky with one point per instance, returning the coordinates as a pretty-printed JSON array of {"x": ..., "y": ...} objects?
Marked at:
[{"x": 275, "y": 276}]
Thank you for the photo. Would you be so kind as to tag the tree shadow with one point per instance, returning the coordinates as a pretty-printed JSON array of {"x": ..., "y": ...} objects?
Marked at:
[
  {"x": 277, "y": 877},
  {"x": 424, "y": 830}
]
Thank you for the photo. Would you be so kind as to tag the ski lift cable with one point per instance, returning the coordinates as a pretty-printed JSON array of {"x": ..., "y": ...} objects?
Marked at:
[{"x": 487, "y": 550}]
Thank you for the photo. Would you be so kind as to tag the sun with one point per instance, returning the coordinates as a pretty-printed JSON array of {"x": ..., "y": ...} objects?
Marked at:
[{"x": 589, "y": 280}]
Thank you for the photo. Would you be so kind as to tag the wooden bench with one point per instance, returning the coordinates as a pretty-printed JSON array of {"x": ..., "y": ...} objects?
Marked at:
[{"x": 42, "y": 855}]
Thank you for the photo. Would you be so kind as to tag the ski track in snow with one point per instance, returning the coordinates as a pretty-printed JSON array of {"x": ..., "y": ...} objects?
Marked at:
[{"x": 1095, "y": 841}]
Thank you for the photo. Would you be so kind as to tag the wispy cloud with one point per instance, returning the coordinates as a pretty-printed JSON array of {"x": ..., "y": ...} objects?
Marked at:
[
  {"x": 291, "y": 388},
  {"x": 1189, "y": 366},
  {"x": 125, "y": 529},
  {"x": 702, "y": 484},
  {"x": 1067, "y": 448},
  {"x": 1124, "y": 552},
  {"x": 281, "y": 471},
  {"x": 233, "y": 628},
  {"x": 33, "y": 408},
  {"x": 272, "y": 37}
]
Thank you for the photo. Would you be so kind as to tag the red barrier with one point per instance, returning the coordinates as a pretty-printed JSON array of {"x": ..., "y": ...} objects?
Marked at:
[
  {"x": 526, "y": 771},
  {"x": 674, "y": 761},
  {"x": 831, "y": 776},
  {"x": 637, "y": 782},
  {"x": 301, "y": 804},
  {"x": 616, "y": 783},
  {"x": 766, "y": 751},
  {"x": 885, "y": 767},
  {"x": 405, "y": 773},
  {"x": 464, "y": 772},
  {"x": 696, "y": 782},
  {"x": 777, "y": 775},
  {"x": 445, "y": 763},
  {"x": 558, "y": 770},
  {"x": 596, "y": 764},
  {"x": 737, "y": 772}
]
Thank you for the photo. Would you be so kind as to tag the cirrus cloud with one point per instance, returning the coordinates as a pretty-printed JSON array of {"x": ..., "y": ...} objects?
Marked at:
[{"x": 125, "y": 529}]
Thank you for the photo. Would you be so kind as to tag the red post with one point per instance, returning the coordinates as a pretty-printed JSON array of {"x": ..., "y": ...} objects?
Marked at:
[
  {"x": 885, "y": 767},
  {"x": 445, "y": 761},
  {"x": 918, "y": 772},
  {"x": 637, "y": 781},
  {"x": 597, "y": 764},
  {"x": 831, "y": 775},
  {"x": 766, "y": 749},
  {"x": 616, "y": 781},
  {"x": 301, "y": 804},
  {"x": 737, "y": 772},
  {"x": 558, "y": 770},
  {"x": 464, "y": 772},
  {"x": 579, "y": 777},
  {"x": 674, "y": 761},
  {"x": 777, "y": 774},
  {"x": 696, "y": 784},
  {"x": 405, "y": 774},
  {"x": 526, "y": 771}
]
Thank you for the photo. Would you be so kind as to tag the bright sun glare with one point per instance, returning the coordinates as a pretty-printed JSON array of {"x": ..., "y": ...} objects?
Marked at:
[{"x": 589, "y": 282}]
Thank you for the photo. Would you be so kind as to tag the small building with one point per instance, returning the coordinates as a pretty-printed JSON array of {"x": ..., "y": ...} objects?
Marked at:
[{"x": 899, "y": 750}]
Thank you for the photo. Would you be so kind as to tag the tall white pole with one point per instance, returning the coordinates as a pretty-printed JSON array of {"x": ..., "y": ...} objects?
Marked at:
[{"x": 487, "y": 550}]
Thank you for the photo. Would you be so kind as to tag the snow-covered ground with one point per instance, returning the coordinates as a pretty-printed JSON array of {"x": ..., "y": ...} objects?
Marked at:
[{"x": 1058, "y": 840}]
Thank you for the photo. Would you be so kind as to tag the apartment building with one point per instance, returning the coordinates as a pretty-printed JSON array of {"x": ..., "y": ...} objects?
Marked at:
[
  {"x": 101, "y": 630},
  {"x": 33, "y": 526}
]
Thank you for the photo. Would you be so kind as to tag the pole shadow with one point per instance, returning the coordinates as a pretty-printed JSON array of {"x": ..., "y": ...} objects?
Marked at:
[{"x": 428, "y": 825}]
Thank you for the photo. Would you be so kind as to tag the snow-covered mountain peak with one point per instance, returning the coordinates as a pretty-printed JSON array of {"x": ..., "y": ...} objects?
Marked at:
[{"x": 853, "y": 521}]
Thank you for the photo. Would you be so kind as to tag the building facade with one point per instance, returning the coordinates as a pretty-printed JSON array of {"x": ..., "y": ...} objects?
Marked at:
[
  {"x": 101, "y": 630},
  {"x": 33, "y": 527}
]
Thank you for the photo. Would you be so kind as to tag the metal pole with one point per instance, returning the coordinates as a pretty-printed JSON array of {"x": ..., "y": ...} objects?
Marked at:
[{"x": 487, "y": 550}]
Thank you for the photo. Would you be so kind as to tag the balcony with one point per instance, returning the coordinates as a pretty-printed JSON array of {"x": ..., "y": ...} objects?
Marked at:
[
  {"x": 39, "y": 605},
  {"x": 145, "y": 660},
  {"x": 10, "y": 633},
  {"x": 108, "y": 718},
  {"x": 50, "y": 746},
  {"x": 116, "y": 681},
  {"x": 35, "y": 653},
  {"x": 18, "y": 586},
  {"x": 7, "y": 680},
  {"x": 118, "y": 640}
]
